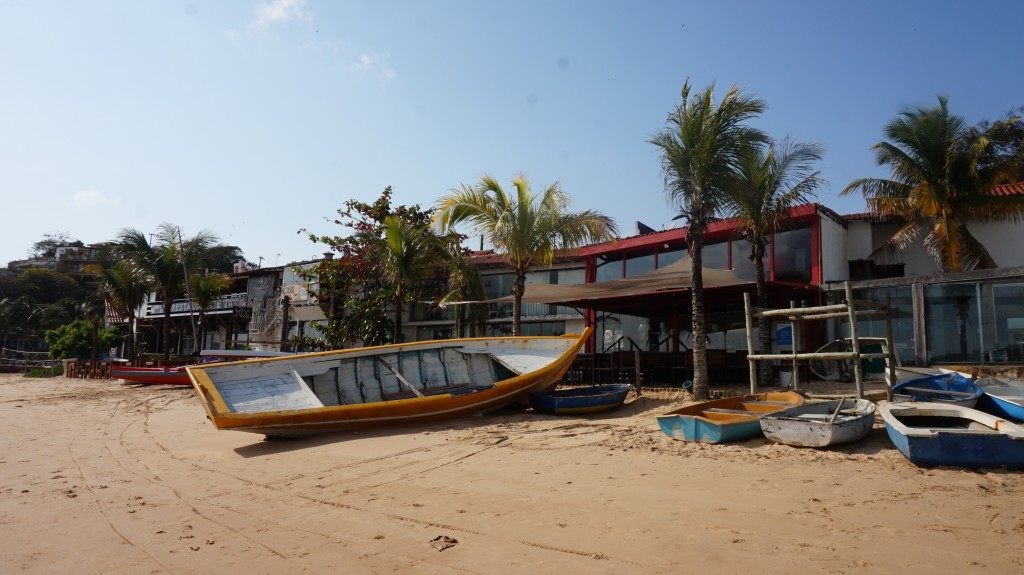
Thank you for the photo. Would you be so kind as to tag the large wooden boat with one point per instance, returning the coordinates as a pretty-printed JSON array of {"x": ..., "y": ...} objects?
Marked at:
[
  {"x": 376, "y": 386},
  {"x": 727, "y": 419},
  {"x": 941, "y": 434},
  {"x": 178, "y": 375},
  {"x": 820, "y": 424},
  {"x": 580, "y": 400}
]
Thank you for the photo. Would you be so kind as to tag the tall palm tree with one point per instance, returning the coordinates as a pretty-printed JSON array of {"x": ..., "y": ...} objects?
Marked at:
[
  {"x": 409, "y": 254},
  {"x": 526, "y": 229},
  {"x": 124, "y": 288},
  {"x": 770, "y": 181},
  {"x": 937, "y": 185},
  {"x": 700, "y": 149},
  {"x": 205, "y": 288},
  {"x": 163, "y": 263}
]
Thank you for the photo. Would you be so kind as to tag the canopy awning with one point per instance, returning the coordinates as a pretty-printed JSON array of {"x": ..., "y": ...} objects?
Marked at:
[{"x": 633, "y": 295}]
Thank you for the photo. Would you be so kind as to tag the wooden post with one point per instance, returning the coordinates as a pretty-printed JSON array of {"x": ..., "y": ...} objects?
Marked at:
[
  {"x": 750, "y": 342},
  {"x": 794, "y": 333},
  {"x": 890, "y": 362},
  {"x": 636, "y": 371},
  {"x": 854, "y": 341}
]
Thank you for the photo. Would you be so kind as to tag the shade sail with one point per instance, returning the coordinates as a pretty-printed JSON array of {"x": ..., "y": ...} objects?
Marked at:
[{"x": 675, "y": 276}]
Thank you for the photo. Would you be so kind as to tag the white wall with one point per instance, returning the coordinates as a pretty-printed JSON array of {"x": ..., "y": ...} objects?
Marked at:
[
  {"x": 1003, "y": 241},
  {"x": 834, "y": 263}
]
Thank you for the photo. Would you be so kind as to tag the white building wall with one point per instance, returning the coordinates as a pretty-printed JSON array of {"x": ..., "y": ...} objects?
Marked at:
[
  {"x": 834, "y": 237},
  {"x": 1003, "y": 241}
]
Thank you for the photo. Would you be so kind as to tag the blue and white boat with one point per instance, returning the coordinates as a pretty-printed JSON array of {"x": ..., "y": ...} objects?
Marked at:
[
  {"x": 727, "y": 419},
  {"x": 1002, "y": 397},
  {"x": 580, "y": 400},
  {"x": 941, "y": 434},
  {"x": 948, "y": 388}
]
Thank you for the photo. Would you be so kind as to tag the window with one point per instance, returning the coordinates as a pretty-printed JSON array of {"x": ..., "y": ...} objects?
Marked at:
[
  {"x": 793, "y": 256},
  {"x": 952, "y": 322}
]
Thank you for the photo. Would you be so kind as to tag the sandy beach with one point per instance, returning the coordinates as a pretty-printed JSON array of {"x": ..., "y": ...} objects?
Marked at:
[{"x": 97, "y": 477}]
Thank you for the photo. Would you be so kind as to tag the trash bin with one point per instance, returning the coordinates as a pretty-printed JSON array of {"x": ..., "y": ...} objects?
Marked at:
[{"x": 785, "y": 378}]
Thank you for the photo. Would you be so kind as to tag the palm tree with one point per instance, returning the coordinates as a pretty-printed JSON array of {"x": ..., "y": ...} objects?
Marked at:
[
  {"x": 700, "y": 149},
  {"x": 409, "y": 254},
  {"x": 205, "y": 288},
  {"x": 770, "y": 181},
  {"x": 163, "y": 263},
  {"x": 464, "y": 284},
  {"x": 124, "y": 287},
  {"x": 937, "y": 185},
  {"x": 526, "y": 229}
]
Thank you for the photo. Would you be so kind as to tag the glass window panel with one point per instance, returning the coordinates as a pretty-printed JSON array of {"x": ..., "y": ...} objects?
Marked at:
[
  {"x": 742, "y": 265},
  {"x": 639, "y": 264},
  {"x": 670, "y": 257},
  {"x": 793, "y": 256},
  {"x": 952, "y": 325},
  {"x": 716, "y": 255},
  {"x": 1008, "y": 320},
  {"x": 609, "y": 269},
  {"x": 497, "y": 285}
]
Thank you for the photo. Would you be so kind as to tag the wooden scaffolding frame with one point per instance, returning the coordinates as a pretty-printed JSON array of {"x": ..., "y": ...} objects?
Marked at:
[{"x": 847, "y": 309}]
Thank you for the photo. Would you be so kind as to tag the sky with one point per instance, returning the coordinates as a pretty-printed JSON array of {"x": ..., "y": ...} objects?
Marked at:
[{"x": 255, "y": 119}]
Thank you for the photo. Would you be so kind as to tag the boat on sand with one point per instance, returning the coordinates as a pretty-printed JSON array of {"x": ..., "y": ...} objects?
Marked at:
[
  {"x": 820, "y": 424},
  {"x": 951, "y": 388},
  {"x": 1002, "y": 397},
  {"x": 941, "y": 434},
  {"x": 580, "y": 400},
  {"x": 378, "y": 386},
  {"x": 177, "y": 375},
  {"x": 727, "y": 419}
]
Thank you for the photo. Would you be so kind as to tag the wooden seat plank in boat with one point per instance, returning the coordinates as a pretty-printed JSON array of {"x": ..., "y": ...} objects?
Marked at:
[
  {"x": 724, "y": 410},
  {"x": 285, "y": 392},
  {"x": 940, "y": 391}
]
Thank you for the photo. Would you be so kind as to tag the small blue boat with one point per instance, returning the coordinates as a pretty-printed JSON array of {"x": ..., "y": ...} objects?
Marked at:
[
  {"x": 948, "y": 388},
  {"x": 941, "y": 434},
  {"x": 727, "y": 419},
  {"x": 1004, "y": 398},
  {"x": 579, "y": 400}
]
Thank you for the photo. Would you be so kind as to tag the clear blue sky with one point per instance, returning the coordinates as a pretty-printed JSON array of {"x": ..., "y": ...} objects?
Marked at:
[{"x": 255, "y": 119}]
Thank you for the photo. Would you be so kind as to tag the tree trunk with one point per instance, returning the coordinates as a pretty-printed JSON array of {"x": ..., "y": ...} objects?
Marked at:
[
  {"x": 699, "y": 328},
  {"x": 518, "y": 288},
  {"x": 167, "y": 329},
  {"x": 398, "y": 319},
  {"x": 131, "y": 336},
  {"x": 202, "y": 331},
  {"x": 764, "y": 368}
]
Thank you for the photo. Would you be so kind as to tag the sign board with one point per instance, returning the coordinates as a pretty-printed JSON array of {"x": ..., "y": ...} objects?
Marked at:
[
  {"x": 239, "y": 312},
  {"x": 784, "y": 335}
]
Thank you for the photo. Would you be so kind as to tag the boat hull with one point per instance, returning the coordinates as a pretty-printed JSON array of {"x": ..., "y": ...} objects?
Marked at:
[
  {"x": 724, "y": 420},
  {"x": 948, "y": 388},
  {"x": 1002, "y": 398},
  {"x": 290, "y": 396},
  {"x": 581, "y": 400},
  {"x": 812, "y": 425},
  {"x": 930, "y": 434},
  {"x": 152, "y": 375}
]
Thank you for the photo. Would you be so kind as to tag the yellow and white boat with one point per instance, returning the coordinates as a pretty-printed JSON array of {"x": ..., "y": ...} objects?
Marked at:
[{"x": 376, "y": 386}]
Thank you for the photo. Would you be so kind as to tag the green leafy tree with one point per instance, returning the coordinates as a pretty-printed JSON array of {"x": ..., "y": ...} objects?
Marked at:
[
  {"x": 47, "y": 286},
  {"x": 700, "y": 150},
  {"x": 526, "y": 229},
  {"x": 354, "y": 289},
  {"x": 770, "y": 181},
  {"x": 47, "y": 247},
  {"x": 938, "y": 183},
  {"x": 75, "y": 340}
]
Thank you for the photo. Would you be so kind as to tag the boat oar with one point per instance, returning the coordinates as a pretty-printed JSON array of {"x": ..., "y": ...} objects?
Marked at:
[{"x": 838, "y": 409}]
